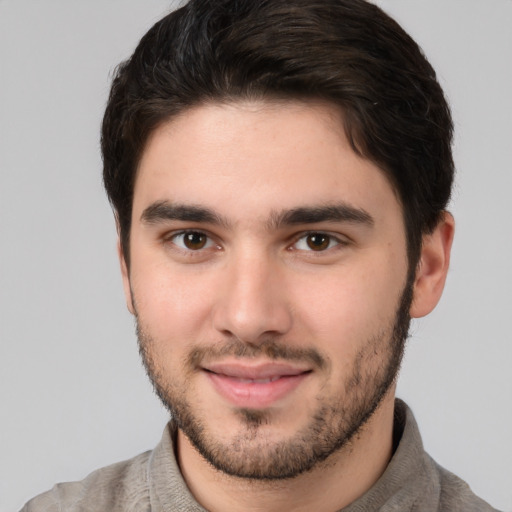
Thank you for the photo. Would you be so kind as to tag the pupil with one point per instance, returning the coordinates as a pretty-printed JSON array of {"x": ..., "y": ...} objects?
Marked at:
[
  {"x": 195, "y": 240},
  {"x": 318, "y": 241}
]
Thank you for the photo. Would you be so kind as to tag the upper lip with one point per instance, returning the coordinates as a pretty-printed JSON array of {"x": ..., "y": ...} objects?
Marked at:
[{"x": 266, "y": 370}]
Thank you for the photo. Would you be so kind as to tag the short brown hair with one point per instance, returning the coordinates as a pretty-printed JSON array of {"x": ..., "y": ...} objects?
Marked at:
[{"x": 347, "y": 52}]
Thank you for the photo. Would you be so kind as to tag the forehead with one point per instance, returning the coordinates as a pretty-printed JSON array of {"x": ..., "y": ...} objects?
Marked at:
[{"x": 270, "y": 155}]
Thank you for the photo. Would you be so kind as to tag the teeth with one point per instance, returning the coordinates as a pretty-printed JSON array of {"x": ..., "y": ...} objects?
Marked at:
[{"x": 258, "y": 381}]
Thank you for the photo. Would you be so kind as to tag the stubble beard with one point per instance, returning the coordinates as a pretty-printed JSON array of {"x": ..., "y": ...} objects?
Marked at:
[{"x": 333, "y": 425}]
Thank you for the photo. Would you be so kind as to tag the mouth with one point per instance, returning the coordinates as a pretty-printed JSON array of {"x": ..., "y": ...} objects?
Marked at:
[{"x": 255, "y": 386}]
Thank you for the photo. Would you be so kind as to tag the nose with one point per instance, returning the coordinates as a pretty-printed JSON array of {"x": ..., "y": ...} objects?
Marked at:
[{"x": 252, "y": 302}]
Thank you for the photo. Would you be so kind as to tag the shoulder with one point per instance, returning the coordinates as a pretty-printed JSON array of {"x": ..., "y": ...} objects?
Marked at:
[
  {"x": 426, "y": 484},
  {"x": 118, "y": 487},
  {"x": 456, "y": 495}
]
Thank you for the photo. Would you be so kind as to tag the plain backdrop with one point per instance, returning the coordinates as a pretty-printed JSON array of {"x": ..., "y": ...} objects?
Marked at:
[{"x": 73, "y": 394}]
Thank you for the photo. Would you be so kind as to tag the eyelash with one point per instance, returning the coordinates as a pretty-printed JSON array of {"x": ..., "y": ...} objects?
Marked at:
[
  {"x": 190, "y": 232},
  {"x": 332, "y": 241}
]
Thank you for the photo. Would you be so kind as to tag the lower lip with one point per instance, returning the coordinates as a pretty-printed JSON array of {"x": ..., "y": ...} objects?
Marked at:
[{"x": 255, "y": 395}]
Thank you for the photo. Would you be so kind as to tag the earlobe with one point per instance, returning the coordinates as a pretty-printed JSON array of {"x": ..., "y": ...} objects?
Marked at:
[
  {"x": 126, "y": 277},
  {"x": 433, "y": 267}
]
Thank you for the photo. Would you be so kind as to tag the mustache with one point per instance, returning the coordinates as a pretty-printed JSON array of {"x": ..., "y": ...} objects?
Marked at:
[{"x": 268, "y": 348}]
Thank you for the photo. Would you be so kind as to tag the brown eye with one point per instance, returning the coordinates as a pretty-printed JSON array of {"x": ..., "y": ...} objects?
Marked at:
[
  {"x": 192, "y": 244},
  {"x": 194, "y": 240},
  {"x": 318, "y": 241}
]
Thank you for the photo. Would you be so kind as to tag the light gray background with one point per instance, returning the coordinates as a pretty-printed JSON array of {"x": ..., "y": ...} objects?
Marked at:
[{"x": 73, "y": 394}]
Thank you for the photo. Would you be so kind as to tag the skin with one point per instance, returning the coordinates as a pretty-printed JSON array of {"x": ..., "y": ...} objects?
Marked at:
[{"x": 326, "y": 291}]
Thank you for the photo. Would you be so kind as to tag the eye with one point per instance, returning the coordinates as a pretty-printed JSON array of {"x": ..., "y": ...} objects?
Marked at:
[
  {"x": 192, "y": 240},
  {"x": 317, "y": 242}
]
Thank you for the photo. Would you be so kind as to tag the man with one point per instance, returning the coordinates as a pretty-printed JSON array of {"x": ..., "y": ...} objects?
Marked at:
[{"x": 279, "y": 172}]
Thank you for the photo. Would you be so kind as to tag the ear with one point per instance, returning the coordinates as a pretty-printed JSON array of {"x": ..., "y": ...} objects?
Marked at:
[
  {"x": 433, "y": 267},
  {"x": 126, "y": 277}
]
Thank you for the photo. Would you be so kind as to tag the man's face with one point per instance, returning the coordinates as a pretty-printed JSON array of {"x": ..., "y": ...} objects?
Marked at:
[{"x": 268, "y": 275}]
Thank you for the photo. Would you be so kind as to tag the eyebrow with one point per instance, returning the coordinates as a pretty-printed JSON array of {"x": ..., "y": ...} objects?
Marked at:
[
  {"x": 162, "y": 211},
  {"x": 340, "y": 212}
]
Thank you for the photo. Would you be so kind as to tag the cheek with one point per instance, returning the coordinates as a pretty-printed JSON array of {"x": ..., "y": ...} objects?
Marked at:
[
  {"x": 172, "y": 306},
  {"x": 349, "y": 307}
]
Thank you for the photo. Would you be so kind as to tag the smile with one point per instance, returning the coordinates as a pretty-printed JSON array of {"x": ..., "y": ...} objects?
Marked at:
[{"x": 255, "y": 387}]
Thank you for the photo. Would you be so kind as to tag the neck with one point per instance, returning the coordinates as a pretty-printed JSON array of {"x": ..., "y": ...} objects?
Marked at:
[{"x": 340, "y": 480}]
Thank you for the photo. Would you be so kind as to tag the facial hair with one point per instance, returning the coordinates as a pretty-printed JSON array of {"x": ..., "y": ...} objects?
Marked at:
[{"x": 336, "y": 420}]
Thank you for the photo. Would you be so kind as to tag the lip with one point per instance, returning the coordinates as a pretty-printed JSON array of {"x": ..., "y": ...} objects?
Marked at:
[{"x": 255, "y": 386}]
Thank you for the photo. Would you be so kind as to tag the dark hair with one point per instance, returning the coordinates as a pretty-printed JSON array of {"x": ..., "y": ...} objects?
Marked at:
[{"x": 347, "y": 52}]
